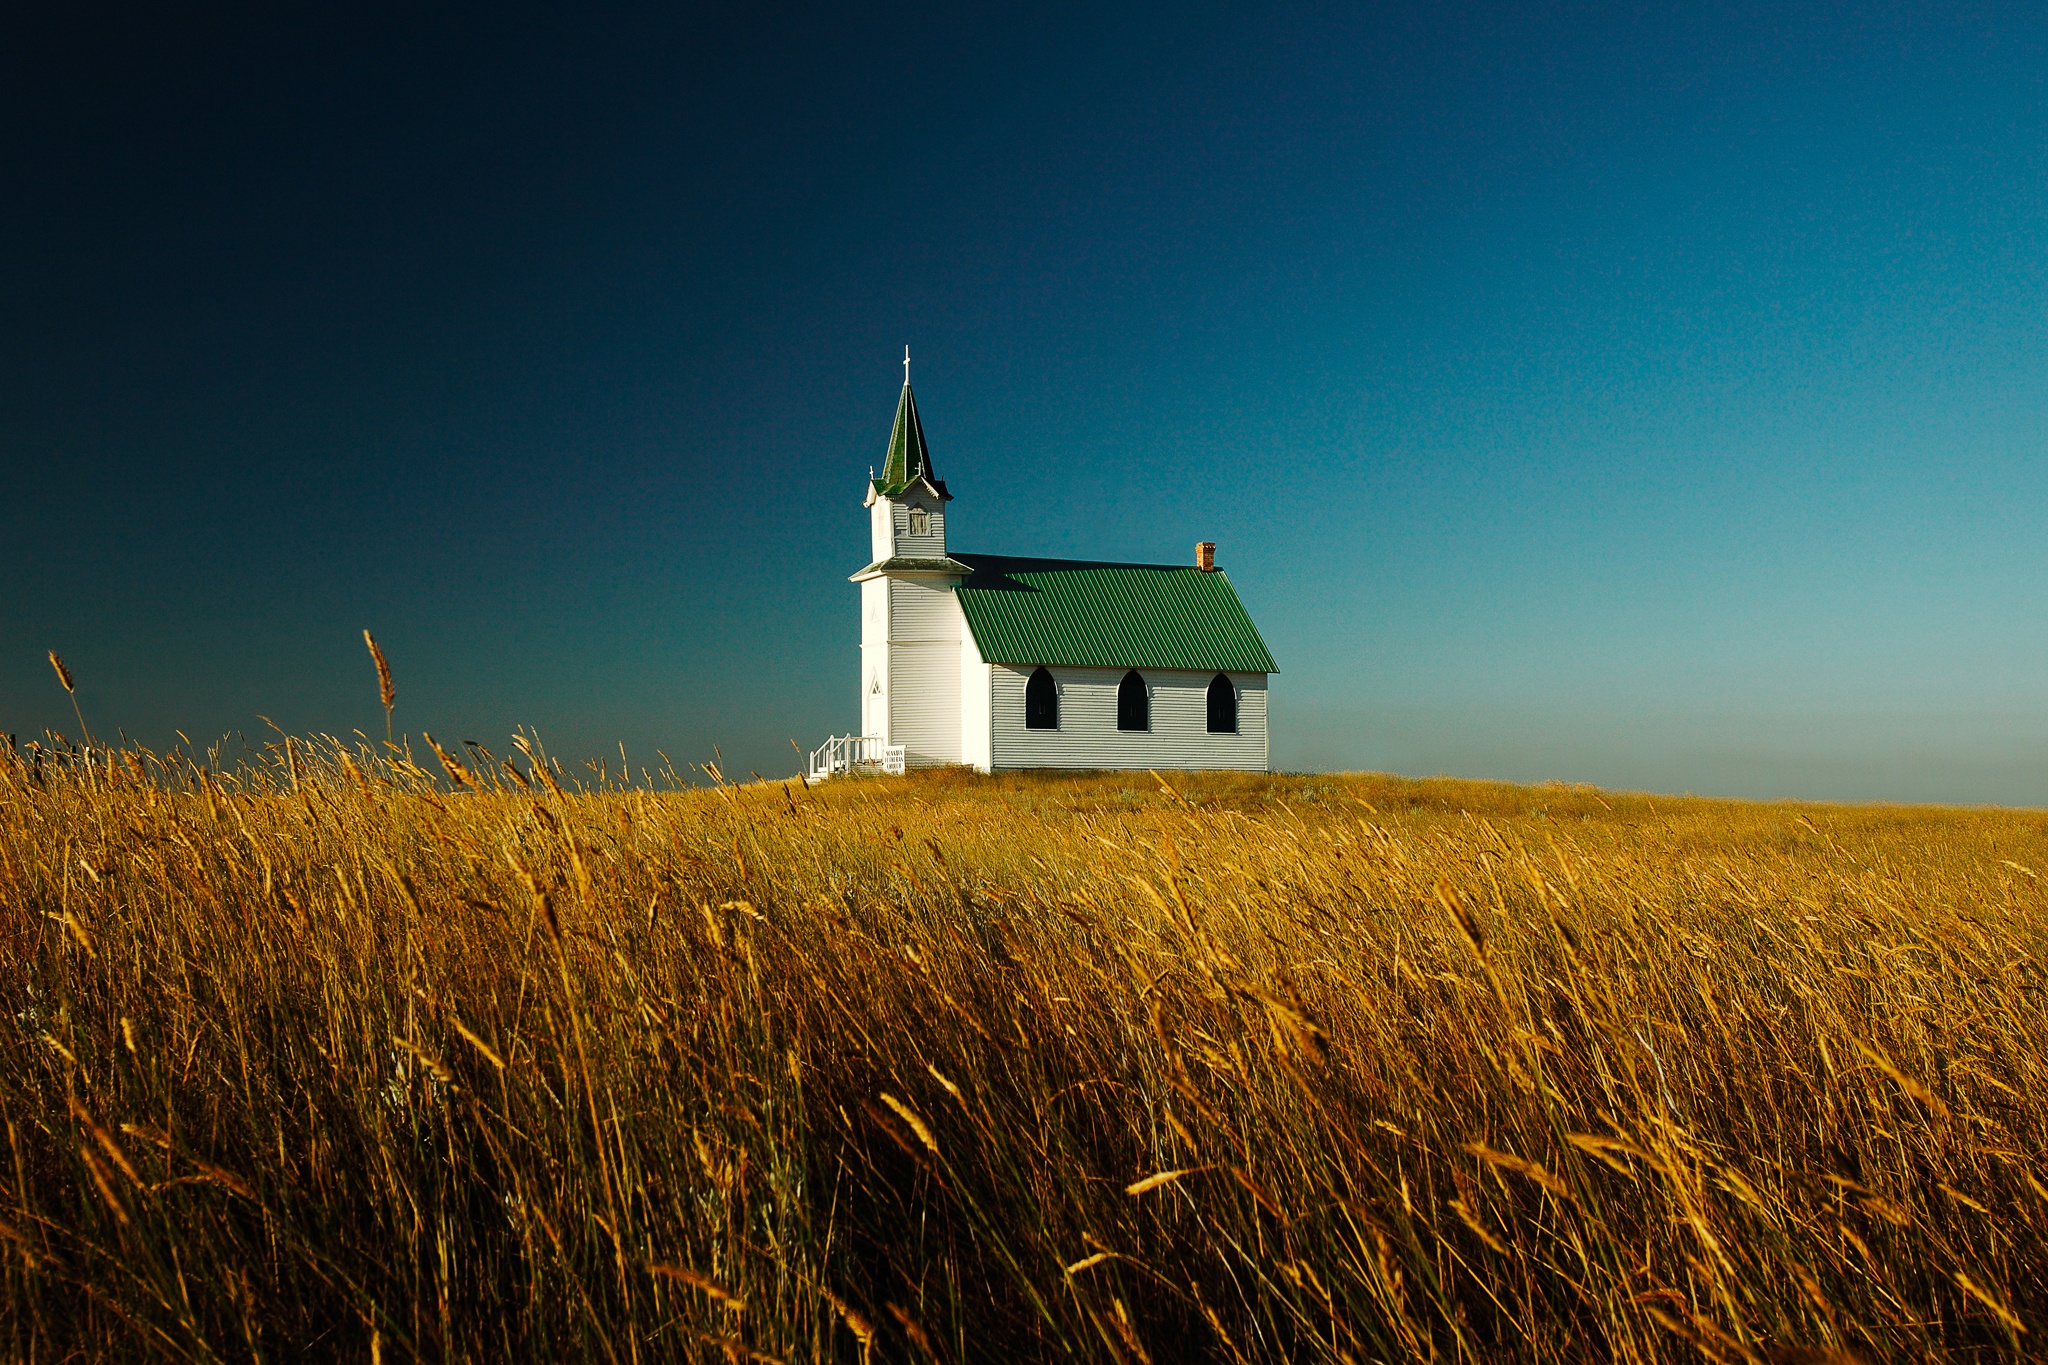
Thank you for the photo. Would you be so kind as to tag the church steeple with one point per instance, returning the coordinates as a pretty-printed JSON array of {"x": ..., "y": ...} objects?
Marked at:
[{"x": 909, "y": 458}]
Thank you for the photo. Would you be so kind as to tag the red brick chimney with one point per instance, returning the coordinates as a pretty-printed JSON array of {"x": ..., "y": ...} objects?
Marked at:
[{"x": 1205, "y": 556}]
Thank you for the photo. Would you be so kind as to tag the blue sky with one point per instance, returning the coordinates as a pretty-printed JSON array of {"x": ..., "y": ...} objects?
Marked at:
[{"x": 1576, "y": 392}]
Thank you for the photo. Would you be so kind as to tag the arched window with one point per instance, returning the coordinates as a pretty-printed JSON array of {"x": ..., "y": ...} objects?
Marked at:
[
  {"x": 1041, "y": 702},
  {"x": 1222, "y": 706},
  {"x": 920, "y": 522},
  {"x": 1133, "y": 705}
]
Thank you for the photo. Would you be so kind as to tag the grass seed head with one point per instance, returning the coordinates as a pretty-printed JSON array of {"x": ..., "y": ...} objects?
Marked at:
[{"x": 387, "y": 694}]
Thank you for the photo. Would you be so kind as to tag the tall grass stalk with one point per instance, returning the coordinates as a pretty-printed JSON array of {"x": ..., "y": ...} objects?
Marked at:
[
  {"x": 387, "y": 694},
  {"x": 70, "y": 687}
]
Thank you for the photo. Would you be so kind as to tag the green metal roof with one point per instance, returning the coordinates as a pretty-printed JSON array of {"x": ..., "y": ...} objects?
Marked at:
[
  {"x": 909, "y": 459},
  {"x": 1081, "y": 614}
]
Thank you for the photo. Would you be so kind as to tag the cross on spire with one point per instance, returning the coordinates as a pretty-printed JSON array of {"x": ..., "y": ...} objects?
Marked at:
[{"x": 906, "y": 367}]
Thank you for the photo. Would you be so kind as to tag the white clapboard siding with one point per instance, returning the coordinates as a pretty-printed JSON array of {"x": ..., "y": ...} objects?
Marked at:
[
  {"x": 925, "y": 626},
  {"x": 874, "y": 689},
  {"x": 874, "y": 656},
  {"x": 882, "y": 529},
  {"x": 1088, "y": 737},
  {"x": 975, "y": 699},
  {"x": 874, "y": 611},
  {"x": 923, "y": 610},
  {"x": 924, "y": 701}
]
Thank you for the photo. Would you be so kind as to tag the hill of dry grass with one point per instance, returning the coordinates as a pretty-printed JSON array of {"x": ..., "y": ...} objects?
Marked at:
[{"x": 328, "y": 1061}]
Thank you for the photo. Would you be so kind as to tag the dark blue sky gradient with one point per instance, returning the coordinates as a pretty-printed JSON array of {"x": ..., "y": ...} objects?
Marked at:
[{"x": 1622, "y": 395}]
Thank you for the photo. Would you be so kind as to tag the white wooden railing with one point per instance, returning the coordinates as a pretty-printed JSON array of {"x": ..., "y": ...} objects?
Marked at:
[{"x": 855, "y": 753}]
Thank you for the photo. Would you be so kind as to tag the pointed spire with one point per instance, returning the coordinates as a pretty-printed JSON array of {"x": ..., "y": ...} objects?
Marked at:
[{"x": 909, "y": 459}]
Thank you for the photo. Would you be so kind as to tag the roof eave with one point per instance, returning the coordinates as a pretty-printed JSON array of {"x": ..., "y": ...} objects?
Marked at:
[
  {"x": 912, "y": 568},
  {"x": 1142, "y": 667},
  {"x": 879, "y": 489}
]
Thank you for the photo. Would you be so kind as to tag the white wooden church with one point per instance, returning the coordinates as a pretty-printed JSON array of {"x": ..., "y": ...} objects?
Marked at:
[{"x": 1002, "y": 663}]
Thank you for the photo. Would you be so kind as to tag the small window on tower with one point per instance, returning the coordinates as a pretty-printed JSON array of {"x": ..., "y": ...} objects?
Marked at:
[{"x": 920, "y": 522}]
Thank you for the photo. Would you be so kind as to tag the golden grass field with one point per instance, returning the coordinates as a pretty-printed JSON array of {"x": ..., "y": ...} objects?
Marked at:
[{"x": 328, "y": 1058}]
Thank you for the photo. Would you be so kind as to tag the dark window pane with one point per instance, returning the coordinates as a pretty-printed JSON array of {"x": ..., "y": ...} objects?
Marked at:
[
  {"x": 1133, "y": 707},
  {"x": 1041, "y": 702},
  {"x": 1222, "y": 707}
]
